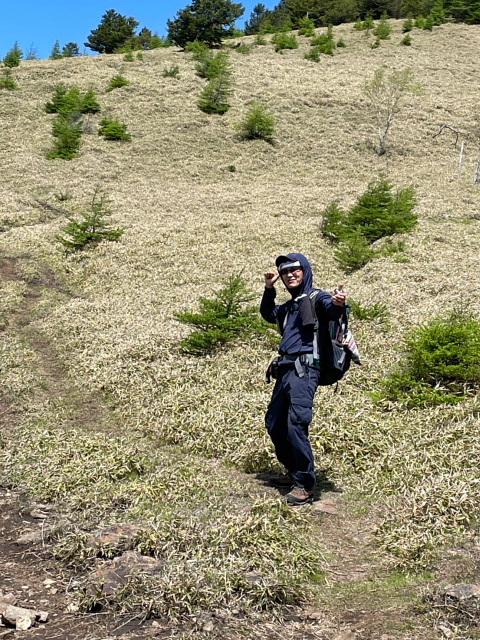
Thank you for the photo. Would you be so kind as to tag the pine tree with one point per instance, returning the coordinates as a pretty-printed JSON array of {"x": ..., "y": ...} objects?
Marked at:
[
  {"x": 467, "y": 11},
  {"x": 259, "y": 124},
  {"x": 368, "y": 24},
  {"x": 89, "y": 102},
  {"x": 65, "y": 101},
  {"x": 67, "y": 132},
  {"x": 254, "y": 23},
  {"x": 70, "y": 50},
  {"x": 429, "y": 23},
  {"x": 383, "y": 29},
  {"x": 379, "y": 213},
  {"x": 306, "y": 27},
  {"x": 438, "y": 13},
  {"x": 7, "y": 82},
  {"x": 13, "y": 57},
  {"x": 208, "y": 21},
  {"x": 340, "y": 11},
  {"x": 144, "y": 39},
  {"x": 411, "y": 8},
  {"x": 222, "y": 319},
  {"x": 112, "y": 32},
  {"x": 419, "y": 22},
  {"x": 215, "y": 95},
  {"x": 92, "y": 227},
  {"x": 113, "y": 130},
  {"x": 56, "y": 52}
]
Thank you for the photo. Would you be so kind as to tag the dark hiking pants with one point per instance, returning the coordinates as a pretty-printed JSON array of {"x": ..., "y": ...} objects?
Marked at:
[{"x": 287, "y": 420}]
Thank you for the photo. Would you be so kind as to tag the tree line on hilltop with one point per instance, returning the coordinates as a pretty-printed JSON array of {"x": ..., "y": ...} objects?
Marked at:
[
  {"x": 288, "y": 14},
  {"x": 211, "y": 21}
]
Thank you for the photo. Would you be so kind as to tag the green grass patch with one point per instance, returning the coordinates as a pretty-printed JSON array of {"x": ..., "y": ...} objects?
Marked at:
[
  {"x": 396, "y": 592},
  {"x": 441, "y": 363},
  {"x": 173, "y": 71}
]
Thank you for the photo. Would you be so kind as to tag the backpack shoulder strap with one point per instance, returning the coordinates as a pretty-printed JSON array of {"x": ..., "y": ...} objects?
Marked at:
[
  {"x": 281, "y": 319},
  {"x": 313, "y": 296},
  {"x": 316, "y": 349}
]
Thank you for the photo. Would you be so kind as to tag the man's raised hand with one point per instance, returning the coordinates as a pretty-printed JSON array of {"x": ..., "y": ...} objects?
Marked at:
[
  {"x": 339, "y": 296},
  {"x": 270, "y": 278}
]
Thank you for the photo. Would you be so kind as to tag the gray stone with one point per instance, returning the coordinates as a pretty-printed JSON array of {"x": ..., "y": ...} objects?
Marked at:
[
  {"x": 32, "y": 537},
  {"x": 255, "y": 577},
  {"x": 315, "y": 615},
  {"x": 447, "y": 632},
  {"x": 19, "y": 616},
  {"x": 23, "y": 623},
  {"x": 208, "y": 626},
  {"x": 6, "y": 600},
  {"x": 114, "y": 574},
  {"x": 114, "y": 536},
  {"x": 326, "y": 506},
  {"x": 39, "y": 515},
  {"x": 462, "y": 591}
]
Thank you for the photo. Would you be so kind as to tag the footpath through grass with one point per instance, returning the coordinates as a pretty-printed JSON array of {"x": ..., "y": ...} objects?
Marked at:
[{"x": 226, "y": 541}]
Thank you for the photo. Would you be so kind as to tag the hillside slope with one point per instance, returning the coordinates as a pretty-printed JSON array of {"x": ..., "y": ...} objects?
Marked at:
[{"x": 197, "y": 205}]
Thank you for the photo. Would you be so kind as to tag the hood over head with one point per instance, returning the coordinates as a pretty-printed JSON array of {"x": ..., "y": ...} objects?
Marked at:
[{"x": 307, "y": 282}]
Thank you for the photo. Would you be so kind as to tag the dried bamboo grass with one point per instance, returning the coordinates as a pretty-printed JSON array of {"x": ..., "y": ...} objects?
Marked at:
[{"x": 189, "y": 222}]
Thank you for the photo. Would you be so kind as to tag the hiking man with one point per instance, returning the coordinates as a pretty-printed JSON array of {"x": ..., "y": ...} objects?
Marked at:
[{"x": 290, "y": 410}]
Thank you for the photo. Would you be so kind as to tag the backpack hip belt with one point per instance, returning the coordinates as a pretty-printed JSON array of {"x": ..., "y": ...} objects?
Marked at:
[{"x": 297, "y": 359}]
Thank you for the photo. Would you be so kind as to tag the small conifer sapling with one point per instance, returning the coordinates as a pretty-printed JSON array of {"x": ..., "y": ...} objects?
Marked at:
[{"x": 92, "y": 227}]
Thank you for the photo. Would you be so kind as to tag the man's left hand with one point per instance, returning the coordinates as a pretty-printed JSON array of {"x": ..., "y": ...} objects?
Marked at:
[{"x": 339, "y": 296}]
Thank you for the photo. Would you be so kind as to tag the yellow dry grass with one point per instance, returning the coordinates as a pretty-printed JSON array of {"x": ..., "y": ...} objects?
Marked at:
[{"x": 190, "y": 222}]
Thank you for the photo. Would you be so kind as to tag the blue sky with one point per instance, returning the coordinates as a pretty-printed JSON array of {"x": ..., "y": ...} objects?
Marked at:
[{"x": 38, "y": 24}]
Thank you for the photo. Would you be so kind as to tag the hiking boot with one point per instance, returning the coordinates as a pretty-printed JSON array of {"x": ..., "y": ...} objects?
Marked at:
[
  {"x": 299, "y": 495},
  {"x": 284, "y": 481}
]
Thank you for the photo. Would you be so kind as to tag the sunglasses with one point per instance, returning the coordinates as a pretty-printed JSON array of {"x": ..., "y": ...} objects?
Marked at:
[{"x": 290, "y": 270}]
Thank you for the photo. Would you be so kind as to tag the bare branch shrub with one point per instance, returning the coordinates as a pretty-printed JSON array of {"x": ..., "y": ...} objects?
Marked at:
[{"x": 385, "y": 94}]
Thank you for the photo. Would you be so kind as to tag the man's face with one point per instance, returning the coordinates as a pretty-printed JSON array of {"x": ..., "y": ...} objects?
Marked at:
[{"x": 292, "y": 277}]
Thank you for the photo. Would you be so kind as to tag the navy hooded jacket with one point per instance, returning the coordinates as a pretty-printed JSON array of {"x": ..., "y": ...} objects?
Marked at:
[{"x": 296, "y": 336}]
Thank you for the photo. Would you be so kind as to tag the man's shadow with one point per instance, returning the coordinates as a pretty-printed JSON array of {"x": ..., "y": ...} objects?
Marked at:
[{"x": 323, "y": 484}]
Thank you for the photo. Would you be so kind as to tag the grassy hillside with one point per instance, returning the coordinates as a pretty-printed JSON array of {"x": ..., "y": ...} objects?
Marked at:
[{"x": 103, "y": 415}]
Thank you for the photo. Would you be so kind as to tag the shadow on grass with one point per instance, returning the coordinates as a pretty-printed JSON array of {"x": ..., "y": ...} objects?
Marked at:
[{"x": 322, "y": 483}]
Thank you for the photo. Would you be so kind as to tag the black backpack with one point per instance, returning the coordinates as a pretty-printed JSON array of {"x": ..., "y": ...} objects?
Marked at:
[{"x": 333, "y": 352}]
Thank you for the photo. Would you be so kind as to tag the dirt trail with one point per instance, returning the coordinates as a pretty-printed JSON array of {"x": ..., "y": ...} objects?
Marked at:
[
  {"x": 87, "y": 409},
  {"x": 27, "y": 570}
]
